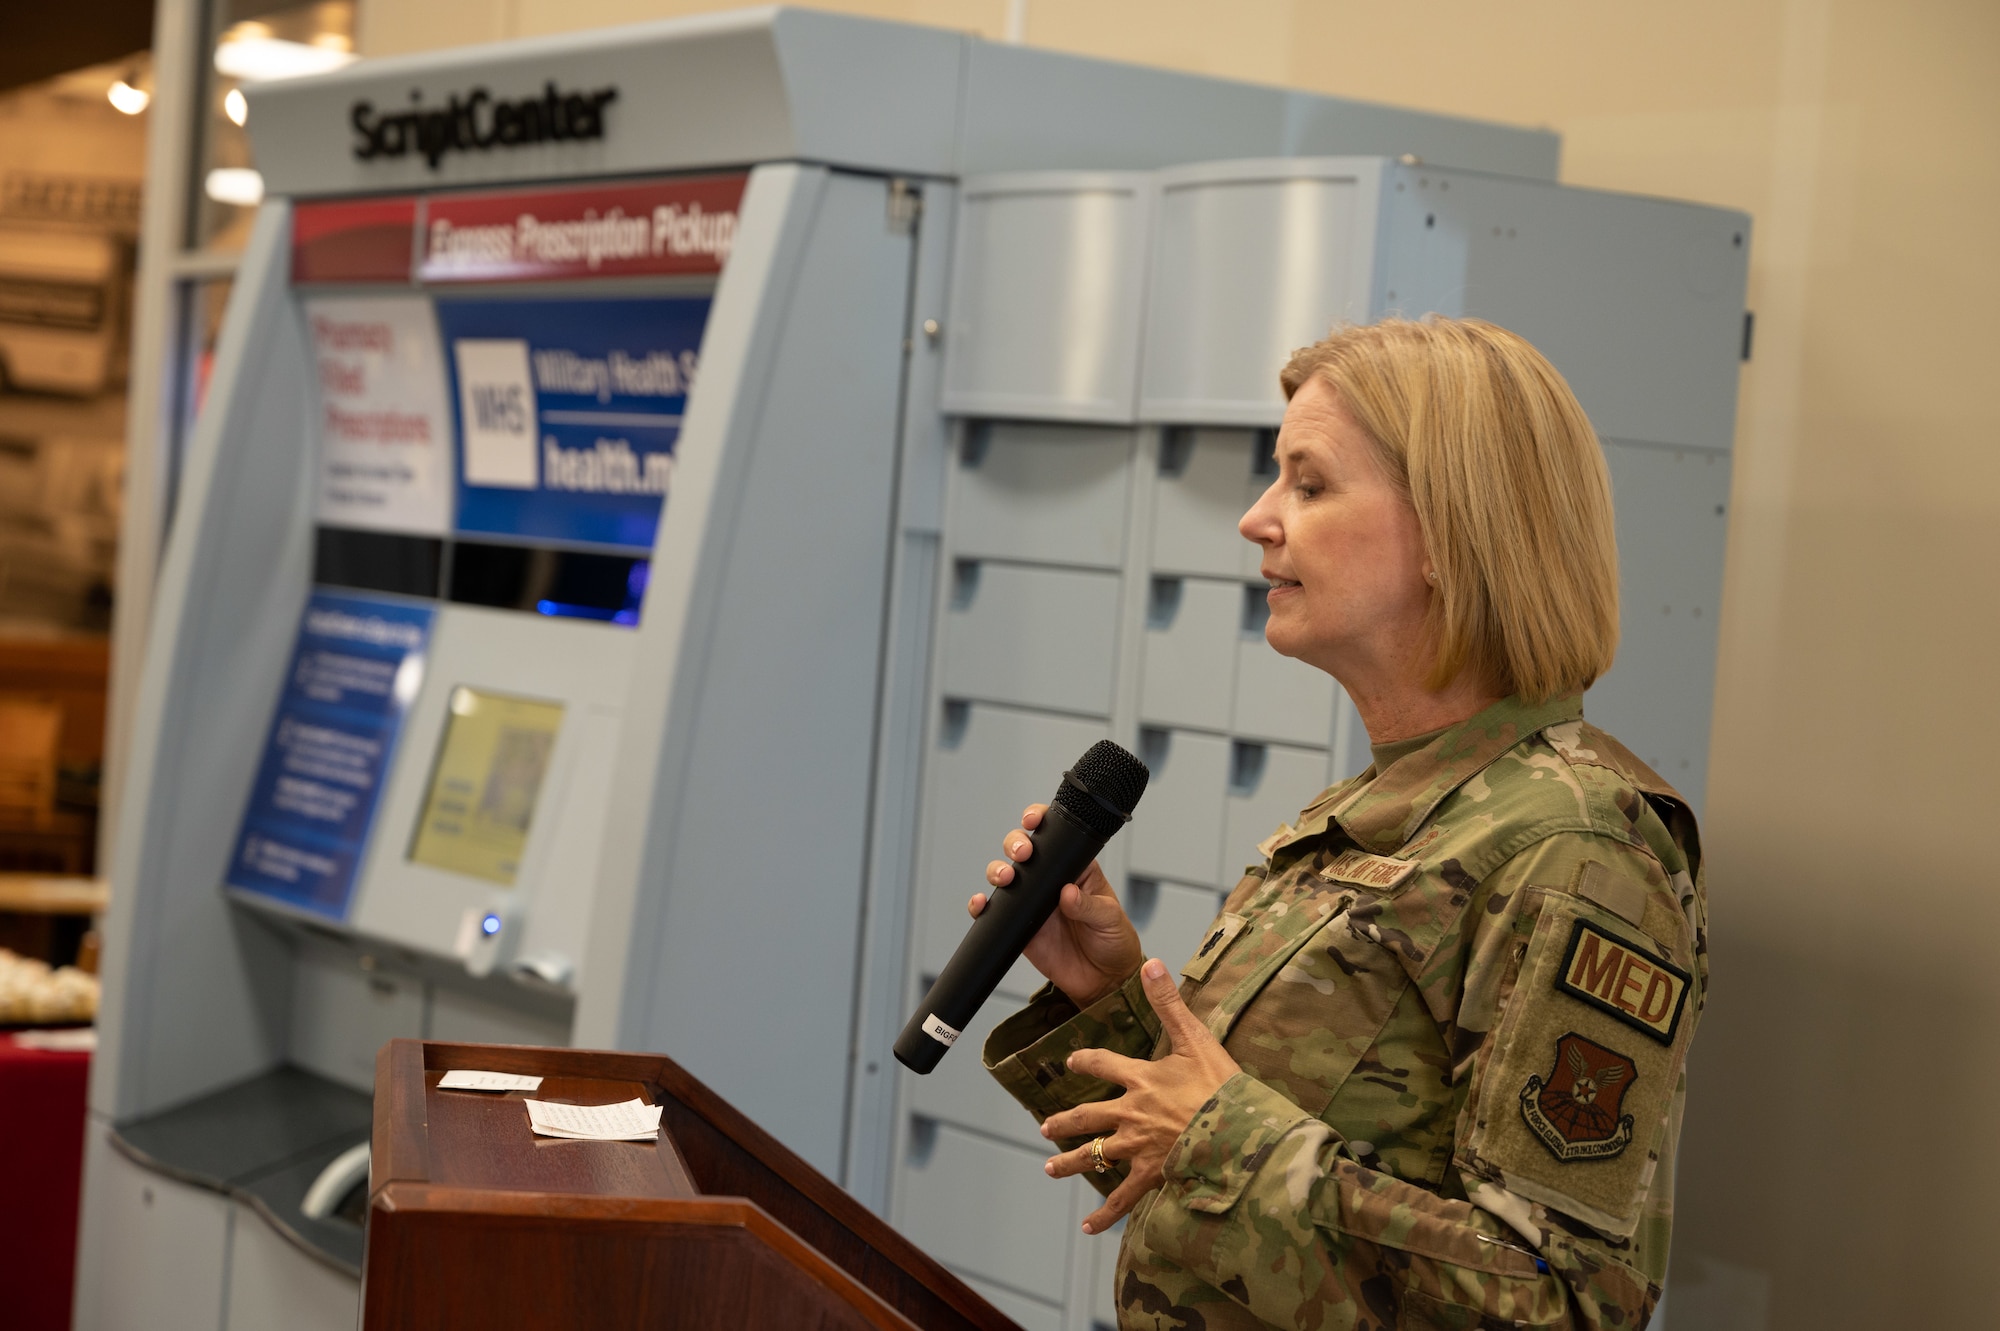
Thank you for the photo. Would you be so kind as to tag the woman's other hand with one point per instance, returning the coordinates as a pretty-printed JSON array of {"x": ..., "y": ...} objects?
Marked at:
[
  {"x": 1161, "y": 1098},
  {"x": 1088, "y": 947}
]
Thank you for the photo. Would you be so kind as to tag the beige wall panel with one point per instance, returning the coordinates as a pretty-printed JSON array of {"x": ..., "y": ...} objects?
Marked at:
[
  {"x": 1246, "y": 39},
  {"x": 394, "y": 27},
  {"x": 391, "y": 26}
]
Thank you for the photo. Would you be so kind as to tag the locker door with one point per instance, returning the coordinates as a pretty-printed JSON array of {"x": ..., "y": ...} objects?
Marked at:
[
  {"x": 989, "y": 764},
  {"x": 1277, "y": 698},
  {"x": 986, "y": 1208},
  {"x": 1039, "y": 637},
  {"x": 1052, "y": 494},
  {"x": 960, "y": 1090},
  {"x": 1208, "y": 480},
  {"x": 1170, "y": 917},
  {"x": 1176, "y": 831},
  {"x": 1189, "y": 668},
  {"x": 1269, "y": 784}
]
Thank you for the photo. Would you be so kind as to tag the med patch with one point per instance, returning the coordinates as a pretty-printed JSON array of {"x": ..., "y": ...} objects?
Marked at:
[
  {"x": 1574, "y": 1109},
  {"x": 1619, "y": 978}
]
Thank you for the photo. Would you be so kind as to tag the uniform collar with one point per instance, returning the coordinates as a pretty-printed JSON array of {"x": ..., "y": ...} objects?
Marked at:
[{"x": 1388, "y": 807}]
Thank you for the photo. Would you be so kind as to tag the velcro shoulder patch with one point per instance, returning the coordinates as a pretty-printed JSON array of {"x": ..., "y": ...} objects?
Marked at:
[
  {"x": 1622, "y": 896},
  {"x": 1364, "y": 870},
  {"x": 1618, "y": 978}
]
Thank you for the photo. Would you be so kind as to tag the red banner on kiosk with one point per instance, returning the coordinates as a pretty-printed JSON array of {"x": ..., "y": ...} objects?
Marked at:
[
  {"x": 353, "y": 240},
  {"x": 668, "y": 227}
]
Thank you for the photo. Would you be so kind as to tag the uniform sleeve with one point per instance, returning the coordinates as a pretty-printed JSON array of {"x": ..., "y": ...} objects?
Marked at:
[
  {"x": 1567, "y": 1111},
  {"x": 1028, "y": 1053}
]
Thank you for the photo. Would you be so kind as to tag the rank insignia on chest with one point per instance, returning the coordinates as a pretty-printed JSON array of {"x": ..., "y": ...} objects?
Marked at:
[
  {"x": 1574, "y": 1110},
  {"x": 1614, "y": 976},
  {"x": 1364, "y": 870}
]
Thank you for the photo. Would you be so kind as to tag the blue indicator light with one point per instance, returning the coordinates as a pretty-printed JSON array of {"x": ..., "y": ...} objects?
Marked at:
[{"x": 490, "y": 925}]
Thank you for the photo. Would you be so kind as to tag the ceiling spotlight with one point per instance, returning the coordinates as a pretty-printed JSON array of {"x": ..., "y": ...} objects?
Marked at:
[
  {"x": 259, "y": 59},
  {"x": 235, "y": 107},
  {"x": 240, "y": 185},
  {"x": 127, "y": 98}
]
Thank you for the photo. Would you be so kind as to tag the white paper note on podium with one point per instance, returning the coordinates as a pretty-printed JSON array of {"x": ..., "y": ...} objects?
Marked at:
[
  {"x": 634, "y": 1120},
  {"x": 466, "y": 1079}
]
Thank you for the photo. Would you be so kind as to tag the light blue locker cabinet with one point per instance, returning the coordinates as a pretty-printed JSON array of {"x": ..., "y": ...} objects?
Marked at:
[{"x": 1111, "y": 437}]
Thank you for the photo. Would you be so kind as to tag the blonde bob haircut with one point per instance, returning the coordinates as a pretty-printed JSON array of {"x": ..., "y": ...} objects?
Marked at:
[{"x": 1510, "y": 489}]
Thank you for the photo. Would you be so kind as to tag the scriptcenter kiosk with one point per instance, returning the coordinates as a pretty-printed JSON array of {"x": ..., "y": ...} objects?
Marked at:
[{"x": 667, "y": 497}]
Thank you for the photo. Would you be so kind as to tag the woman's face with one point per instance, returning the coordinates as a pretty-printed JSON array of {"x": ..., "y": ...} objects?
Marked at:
[{"x": 1342, "y": 548}]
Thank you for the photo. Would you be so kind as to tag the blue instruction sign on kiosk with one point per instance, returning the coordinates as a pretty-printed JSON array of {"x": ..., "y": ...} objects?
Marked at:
[
  {"x": 568, "y": 413},
  {"x": 354, "y": 671}
]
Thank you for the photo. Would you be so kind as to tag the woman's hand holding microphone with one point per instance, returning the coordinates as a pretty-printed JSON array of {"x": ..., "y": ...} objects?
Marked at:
[{"x": 1087, "y": 949}]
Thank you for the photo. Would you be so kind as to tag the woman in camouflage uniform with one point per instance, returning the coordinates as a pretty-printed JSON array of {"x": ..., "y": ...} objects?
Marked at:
[{"x": 1425, "y": 1070}]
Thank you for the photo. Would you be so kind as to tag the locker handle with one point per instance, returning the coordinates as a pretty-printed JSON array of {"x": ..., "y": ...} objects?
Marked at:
[
  {"x": 1142, "y": 898},
  {"x": 1156, "y": 744},
  {"x": 921, "y": 1141},
  {"x": 964, "y": 583},
  {"x": 957, "y": 719},
  {"x": 1264, "y": 455},
  {"x": 1256, "y": 609},
  {"x": 973, "y": 444},
  {"x": 1163, "y": 603},
  {"x": 1246, "y": 766}
]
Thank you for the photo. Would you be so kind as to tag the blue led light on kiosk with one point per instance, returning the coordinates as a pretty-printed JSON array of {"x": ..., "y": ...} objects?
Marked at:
[
  {"x": 490, "y": 925},
  {"x": 627, "y": 614}
]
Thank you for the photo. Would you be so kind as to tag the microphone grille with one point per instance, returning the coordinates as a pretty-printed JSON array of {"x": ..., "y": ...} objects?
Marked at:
[{"x": 1104, "y": 787}]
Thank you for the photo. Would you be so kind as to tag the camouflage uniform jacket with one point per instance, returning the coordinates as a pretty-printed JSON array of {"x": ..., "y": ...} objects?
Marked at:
[{"x": 1461, "y": 991}]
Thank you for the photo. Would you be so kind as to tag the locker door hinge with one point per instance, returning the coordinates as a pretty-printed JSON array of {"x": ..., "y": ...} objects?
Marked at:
[{"x": 905, "y": 205}]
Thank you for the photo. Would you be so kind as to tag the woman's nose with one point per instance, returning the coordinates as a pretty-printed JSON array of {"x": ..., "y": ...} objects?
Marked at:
[{"x": 1260, "y": 525}]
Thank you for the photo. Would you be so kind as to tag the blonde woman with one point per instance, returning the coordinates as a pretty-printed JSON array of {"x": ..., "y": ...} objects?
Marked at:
[{"x": 1426, "y": 1067}]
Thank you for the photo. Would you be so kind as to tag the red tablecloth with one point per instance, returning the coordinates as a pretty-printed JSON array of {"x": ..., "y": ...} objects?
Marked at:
[{"x": 41, "y": 1180}]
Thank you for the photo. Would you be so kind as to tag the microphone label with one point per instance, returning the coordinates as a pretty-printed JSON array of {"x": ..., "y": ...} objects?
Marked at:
[{"x": 937, "y": 1030}]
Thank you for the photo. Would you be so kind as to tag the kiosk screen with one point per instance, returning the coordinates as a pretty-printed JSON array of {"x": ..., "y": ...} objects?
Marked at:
[{"x": 483, "y": 790}]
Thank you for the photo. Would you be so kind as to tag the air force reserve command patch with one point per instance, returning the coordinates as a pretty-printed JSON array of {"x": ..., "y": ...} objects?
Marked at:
[
  {"x": 1615, "y": 976},
  {"x": 1574, "y": 1109}
]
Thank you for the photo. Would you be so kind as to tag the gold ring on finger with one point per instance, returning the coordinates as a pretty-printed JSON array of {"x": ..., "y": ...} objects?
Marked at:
[{"x": 1097, "y": 1160}]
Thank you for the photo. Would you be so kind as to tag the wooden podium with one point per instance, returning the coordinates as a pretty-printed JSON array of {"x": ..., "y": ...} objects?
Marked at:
[{"x": 476, "y": 1222}]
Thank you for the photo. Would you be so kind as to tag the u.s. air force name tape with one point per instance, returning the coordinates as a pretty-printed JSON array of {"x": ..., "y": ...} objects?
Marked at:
[
  {"x": 1365, "y": 870},
  {"x": 937, "y": 1030}
]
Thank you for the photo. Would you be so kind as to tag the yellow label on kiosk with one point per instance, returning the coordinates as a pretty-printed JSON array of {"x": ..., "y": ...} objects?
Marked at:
[{"x": 489, "y": 775}]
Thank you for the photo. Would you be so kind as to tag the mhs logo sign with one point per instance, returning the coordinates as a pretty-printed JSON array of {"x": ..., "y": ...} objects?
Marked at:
[{"x": 477, "y": 121}]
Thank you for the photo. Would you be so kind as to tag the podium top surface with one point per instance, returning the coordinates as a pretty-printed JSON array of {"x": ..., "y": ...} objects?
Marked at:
[
  {"x": 470, "y": 1159},
  {"x": 481, "y": 1139}
]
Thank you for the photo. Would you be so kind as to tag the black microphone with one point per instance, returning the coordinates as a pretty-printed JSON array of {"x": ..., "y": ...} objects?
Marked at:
[{"x": 1096, "y": 798}]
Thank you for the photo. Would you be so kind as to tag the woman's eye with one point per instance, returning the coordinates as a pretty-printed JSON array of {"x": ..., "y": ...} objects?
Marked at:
[{"x": 1307, "y": 488}]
